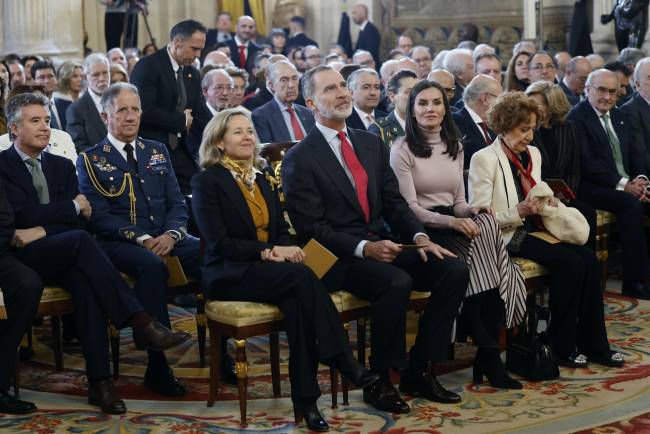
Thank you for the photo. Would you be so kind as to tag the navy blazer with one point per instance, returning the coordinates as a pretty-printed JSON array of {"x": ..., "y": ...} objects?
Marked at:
[
  {"x": 226, "y": 225},
  {"x": 250, "y": 54},
  {"x": 637, "y": 110},
  {"x": 212, "y": 36},
  {"x": 160, "y": 206},
  {"x": 322, "y": 203},
  {"x": 61, "y": 108},
  {"x": 84, "y": 124},
  {"x": 261, "y": 97},
  {"x": 472, "y": 136},
  {"x": 270, "y": 125},
  {"x": 57, "y": 216},
  {"x": 370, "y": 40},
  {"x": 597, "y": 165},
  {"x": 155, "y": 79},
  {"x": 573, "y": 99},
  {"x": 354, "y": 121}
]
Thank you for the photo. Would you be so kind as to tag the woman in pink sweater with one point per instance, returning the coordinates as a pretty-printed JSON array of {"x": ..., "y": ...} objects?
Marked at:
[{"x": 428, "y": 163}]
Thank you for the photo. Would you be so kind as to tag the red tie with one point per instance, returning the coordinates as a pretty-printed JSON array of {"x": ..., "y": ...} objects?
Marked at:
[
  {"x": 486, "y": 133},
  {"x": 358, "y": 174},
  {"x": 242, "y": 56},
  {"x": 295, "y": 124}
]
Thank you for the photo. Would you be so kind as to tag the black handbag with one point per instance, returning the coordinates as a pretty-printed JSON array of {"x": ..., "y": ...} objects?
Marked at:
[{"x": 529, "y": 353}]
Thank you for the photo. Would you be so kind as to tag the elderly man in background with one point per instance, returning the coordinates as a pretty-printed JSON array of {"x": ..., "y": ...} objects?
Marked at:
[
  {"x": 365, "y": 88},
  {"x": 85, "y": 124},
  {"x": 217, "y": 86},
  {"x": 541, "y": 66},
  {"x": 460, "y": 63},
  {"x": 398, "y": 89},
  {"x": 422, "y": 56},
  {"x": 575, "y": 77},
  {"x": 637, "y": 110}
]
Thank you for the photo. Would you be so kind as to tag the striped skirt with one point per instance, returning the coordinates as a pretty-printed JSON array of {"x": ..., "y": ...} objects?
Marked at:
[{"x": 489, "y": 264}]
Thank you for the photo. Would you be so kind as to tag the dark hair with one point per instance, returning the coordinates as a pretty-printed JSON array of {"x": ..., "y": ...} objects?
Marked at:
[
  {"x": 348, "y": 69},
  {"x": 11, "y": 58},
  {"x": 42, "y": 64},
  {"x": 185, "y": 29},
  {"x": 542, "y": 52},
  {"x": 298, "y": 20},
  {"x": 618, "y": 66},
  {"x": 27, "y": 58},
  {"x": 308, "y": 85},
  {"x": 394, "y": 82},
  {"x": 25, "y": 88},
  {"x": 415, "y": 138}
]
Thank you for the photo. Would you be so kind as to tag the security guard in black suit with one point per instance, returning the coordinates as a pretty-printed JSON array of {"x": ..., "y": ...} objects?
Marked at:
[{"x": 139, "y": 214}]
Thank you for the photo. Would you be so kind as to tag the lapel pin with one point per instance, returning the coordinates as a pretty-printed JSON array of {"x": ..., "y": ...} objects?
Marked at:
[{"x": 189, "y": 75}]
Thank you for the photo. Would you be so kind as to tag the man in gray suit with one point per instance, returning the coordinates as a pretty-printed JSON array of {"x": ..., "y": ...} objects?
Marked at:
[{"x": 84, "y": 122}]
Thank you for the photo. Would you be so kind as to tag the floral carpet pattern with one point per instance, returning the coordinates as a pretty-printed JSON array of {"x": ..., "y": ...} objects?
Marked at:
[{"x": 593, "y": 400}]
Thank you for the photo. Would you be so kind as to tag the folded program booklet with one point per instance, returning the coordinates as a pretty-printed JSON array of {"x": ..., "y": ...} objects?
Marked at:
[{"x": 318, "y": 258}]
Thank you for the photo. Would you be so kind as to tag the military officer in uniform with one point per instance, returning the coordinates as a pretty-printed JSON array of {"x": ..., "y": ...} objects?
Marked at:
[{"x": 139, "y": 213}]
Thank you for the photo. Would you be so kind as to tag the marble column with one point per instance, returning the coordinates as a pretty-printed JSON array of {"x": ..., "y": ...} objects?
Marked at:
[
  {"x": 46, "y": 27},
  {"x": 602, "y": 36},
  {"x": 530, "y": 20}
]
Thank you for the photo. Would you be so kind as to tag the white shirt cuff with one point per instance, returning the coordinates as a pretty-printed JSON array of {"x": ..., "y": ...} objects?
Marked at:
[
  {"x": 142, "y": 238},
  {"x": 621, "y": 184},
  {"x": 358, "y": 251},
  {"x": 76, "y": 206},
  {"x": 418, "y": 234}
]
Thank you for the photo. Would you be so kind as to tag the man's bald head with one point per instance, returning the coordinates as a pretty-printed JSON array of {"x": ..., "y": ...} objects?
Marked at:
[
  {"x": 602, "y": 87},
  {"x": 576, "y": 73},
  {"x": 217, "y": 58},
  {"x": 246, "y": 28}
]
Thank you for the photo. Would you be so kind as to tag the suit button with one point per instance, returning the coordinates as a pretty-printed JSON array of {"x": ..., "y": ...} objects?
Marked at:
[
  {"x": 151, "y": 217},
  {"x": 148, "y": 198},
  {"x": 142, "y": 181}
]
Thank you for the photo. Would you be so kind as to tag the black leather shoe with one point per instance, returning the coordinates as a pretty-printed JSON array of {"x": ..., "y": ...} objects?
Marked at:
[
  {"x": 9, "y": 404},
  {"x": 163, "y": 382},
  {"x": 354, "y": 371},
  {"x": 637, "y": 290},
  {"x": 312, "y": 417},
  {"x": 383, "y": 396},
  {"x": 427, "y": 386},
  {"x": 228, "y": 372},
  {"x": 102, "y": 393},
  {"x": 155, "y": 336},
  {"x": 610, "y": 358}
]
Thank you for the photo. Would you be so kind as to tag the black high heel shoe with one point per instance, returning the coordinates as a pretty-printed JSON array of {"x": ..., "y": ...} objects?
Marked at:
[
  {"x": 487, "y": 362},
  {"x": 312, "y": 417}
]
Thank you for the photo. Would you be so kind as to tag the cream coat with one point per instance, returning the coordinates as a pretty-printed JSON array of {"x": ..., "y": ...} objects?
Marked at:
[{"x": 491, "y": 185}]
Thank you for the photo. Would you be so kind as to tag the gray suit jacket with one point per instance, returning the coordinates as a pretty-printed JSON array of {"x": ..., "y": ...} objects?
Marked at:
[{"x": 84, "y": 123}]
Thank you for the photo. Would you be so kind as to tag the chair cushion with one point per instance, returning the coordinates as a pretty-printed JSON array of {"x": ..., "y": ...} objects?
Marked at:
[
  {"x": 54, "y": 293},
  {"x": 241, "y": 313},
  {"x": 604, "y": 218},
  {"x": 346, "y": 301},
  {"x": 529, "y": 268}
]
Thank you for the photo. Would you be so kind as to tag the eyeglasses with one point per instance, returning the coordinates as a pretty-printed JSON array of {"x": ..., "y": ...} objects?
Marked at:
[
  {"x": 539, "y": 67},
  {"x": 422, "y": 59},
  {"x": 313, "y": 56},
  {"x": 220, "y": 88}
]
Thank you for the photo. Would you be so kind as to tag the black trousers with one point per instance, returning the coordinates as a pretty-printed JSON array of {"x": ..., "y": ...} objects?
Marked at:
[
  {"x": 185, "y": 167},
  {"x": 114, "y": 28},
  {"x": 387, "y": 286},
  {"x": 629, "y": 213},
  {"x": 313, "y": 324},
  {"x": 21, "y": 289},
  {"x": 576, "y": 298},
  {"x": 482, "y": 316},
  {"x": 75, "y": 261}
]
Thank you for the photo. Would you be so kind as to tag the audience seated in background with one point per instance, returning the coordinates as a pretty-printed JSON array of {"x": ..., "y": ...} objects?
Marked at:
[
  {"x": 488, "y": 64},
  {"x": 624, "y": 74},
  {"x": 575, "y": 77},
  {"x": 264, "y": 265},
  {"x": 69, "y": 81},
  {"x": 541, "y": 66},
  {"x": 613, "y": 175},
  {"x": 44, "y": 75},
  {"x": 281, "y": 119},
  {"x": 517, "y": 72},
  {"x": 217, "y": 86},
  {"x": 422, "y": 56},
  {"x": 500, "y": 178},
  {"x": 240, "y": 82},
  {"x": 459, "y": 62}
]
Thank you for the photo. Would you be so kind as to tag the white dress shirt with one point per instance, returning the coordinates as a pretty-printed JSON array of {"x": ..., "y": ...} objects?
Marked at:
[
  {"x": 365, "y": 116},
  {"x": 287, "y": 118}
]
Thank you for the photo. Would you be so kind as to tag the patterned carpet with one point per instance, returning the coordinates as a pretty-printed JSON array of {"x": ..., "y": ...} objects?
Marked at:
[{"x": 598, "y": 400}]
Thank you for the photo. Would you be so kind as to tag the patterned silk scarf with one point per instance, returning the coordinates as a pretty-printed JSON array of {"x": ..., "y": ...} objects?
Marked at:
[
  {"x": 525, "y": 174},
  {"x": 242, "y": 170}
]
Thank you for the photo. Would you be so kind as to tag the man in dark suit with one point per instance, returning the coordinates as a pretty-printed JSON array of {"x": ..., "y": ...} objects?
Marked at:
[
  {"x": 575, "y": 76},
  {"x": 242, "y": 48},
  {"x": 50, "y": 216},
  {"x": 613, "y": 173},
  {"x": 85, "y": 125},
  {"x": 262, "y": 94},
  {"x": 365, "y": 89},
  {"x": 392, "y": 126},
  {"x": 472, "y": 119},
  {"x": 281, "y": 120},
  {"x": 297, "y": 34},
  {"x": 138, "y": 232},
  {"x": 222, "y": 31},
  {"x": 43, "y": 73},
  {"x": 369, "y": 38},
  {"x": 21, "y": 291},
  {"x": 637, "y": 110},
  {"x": 340, "y": 190},
  {"x": 173, "y": 108}
]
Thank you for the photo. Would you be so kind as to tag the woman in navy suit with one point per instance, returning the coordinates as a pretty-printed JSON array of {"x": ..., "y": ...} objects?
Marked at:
[{"x": 249, "y": 256}]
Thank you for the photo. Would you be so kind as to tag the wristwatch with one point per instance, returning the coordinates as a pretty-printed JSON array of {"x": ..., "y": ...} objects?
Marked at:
[{"x": 175, "y": 235}]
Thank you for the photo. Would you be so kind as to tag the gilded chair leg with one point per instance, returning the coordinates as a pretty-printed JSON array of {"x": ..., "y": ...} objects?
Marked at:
[
  {"x": 57, "y": 342},
  {"x": 361, "y": 340},
  {"x": 201, "y": 326},
  {"x": 215, "y": 362},
  {"x": 334, "y": 386},
  {"x": 274, "y": 343},
  {"x": 242, "y": 377},
  {"x": 114, "y": 335}
]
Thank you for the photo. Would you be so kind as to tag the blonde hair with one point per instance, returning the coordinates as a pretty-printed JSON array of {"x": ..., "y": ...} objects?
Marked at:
[
  {"x": 214, "y": 132},
  {"x": 65, "y": 73},
  {"x": 555, "y": 99}
]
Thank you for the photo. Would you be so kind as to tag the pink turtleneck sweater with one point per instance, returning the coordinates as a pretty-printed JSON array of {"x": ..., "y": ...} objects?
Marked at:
[{"x": 429, "y": 182}]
